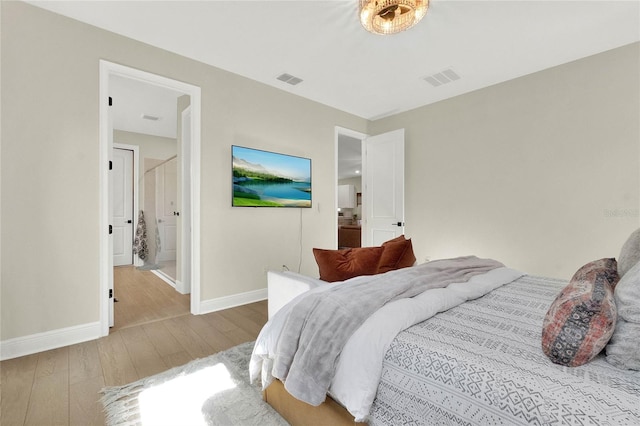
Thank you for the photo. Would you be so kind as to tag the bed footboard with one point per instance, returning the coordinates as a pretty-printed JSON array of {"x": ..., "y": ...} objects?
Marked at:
[{"x": 299, "y": 413}]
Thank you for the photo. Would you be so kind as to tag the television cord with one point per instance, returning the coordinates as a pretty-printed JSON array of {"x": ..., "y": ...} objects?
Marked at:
[{"x": 300, "y": 243}]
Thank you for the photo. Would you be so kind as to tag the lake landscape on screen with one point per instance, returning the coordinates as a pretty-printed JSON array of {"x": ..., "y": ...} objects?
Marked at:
[{"x": 270, "y": 179}]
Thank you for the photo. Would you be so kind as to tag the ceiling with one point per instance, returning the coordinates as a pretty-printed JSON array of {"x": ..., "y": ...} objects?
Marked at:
[
  {"x": 371, "y": 76},
  {"x": 343, "y": 66}
]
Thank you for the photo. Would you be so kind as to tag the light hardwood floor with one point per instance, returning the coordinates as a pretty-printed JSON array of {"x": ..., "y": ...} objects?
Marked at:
[
  {"x": 143, "y": 297},
  {"x": 62, "y": 386}
]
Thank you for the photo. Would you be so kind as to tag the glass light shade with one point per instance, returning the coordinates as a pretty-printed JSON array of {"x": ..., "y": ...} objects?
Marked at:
[{"x": 391, "y": 16}]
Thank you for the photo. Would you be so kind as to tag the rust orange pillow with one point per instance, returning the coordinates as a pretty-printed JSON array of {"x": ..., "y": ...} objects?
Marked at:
[
  {"x": 340, "y": 265},
  {"x": 582, "y": 319},
  {"x": 397, "y": 254}
]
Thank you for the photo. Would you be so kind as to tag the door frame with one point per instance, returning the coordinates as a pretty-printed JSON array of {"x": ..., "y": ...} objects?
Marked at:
[
  {"x": 354, "y": 134},
  {"x": 136, "y": 174},
  {"x": 183, "y": 281},
  {"x": 108, "y": 69}
]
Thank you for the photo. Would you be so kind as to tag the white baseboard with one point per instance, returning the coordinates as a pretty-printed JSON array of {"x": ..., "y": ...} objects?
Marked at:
[
  {"x": 34, "y": 343},
  {"x": 180, "y": 288},
  {"x": 226, "y": 302},
  {"x": 164, "y": 277}
]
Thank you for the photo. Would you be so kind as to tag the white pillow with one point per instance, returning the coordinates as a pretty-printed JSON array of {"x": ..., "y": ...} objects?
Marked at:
[
  {"x": 623, "y": 350},
  {"x": 630, "y": 253},
  {"x": 627, "y": 295}
]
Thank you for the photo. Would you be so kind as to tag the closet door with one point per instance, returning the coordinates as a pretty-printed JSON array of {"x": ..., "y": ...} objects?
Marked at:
[{"x": 122, "y": 174}]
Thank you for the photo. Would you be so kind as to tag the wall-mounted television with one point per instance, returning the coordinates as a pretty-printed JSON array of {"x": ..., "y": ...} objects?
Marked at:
[{"x": 269, "y": 179}]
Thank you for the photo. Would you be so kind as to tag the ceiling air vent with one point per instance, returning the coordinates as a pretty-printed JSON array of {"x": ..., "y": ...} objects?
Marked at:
[
  {"x": 442, "y": 77},
  {"x": 289, "y": 79},
  {"x": 150, "y": 117}
]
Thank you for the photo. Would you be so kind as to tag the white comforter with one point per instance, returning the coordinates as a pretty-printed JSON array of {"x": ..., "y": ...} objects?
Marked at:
[{"x": 360, "y": 363}]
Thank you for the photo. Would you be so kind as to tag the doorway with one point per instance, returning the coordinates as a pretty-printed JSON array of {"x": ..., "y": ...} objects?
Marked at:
[
  {"x": 349, "y": 187},
  {"x": 145, "y": 117},
  {"x": 380, "y": 169},
  {"x": 188, "y": 237}
]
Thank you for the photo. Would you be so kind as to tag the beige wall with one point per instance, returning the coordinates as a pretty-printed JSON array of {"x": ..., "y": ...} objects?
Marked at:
[
  {"x": 149, "y": 146},
  {"x": 50, "y": 79},
  {"x": 157, "y": 147},
  {"x": 541, "y": 172}
]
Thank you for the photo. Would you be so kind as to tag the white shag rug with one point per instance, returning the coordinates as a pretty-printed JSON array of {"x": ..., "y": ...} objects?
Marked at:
[{"x": 208, "y": 391}]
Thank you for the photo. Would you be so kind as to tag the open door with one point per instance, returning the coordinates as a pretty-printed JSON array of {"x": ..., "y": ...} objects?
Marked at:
[
  {"x": 166, "y": 211},
  {"x": 383, "y": 194}
]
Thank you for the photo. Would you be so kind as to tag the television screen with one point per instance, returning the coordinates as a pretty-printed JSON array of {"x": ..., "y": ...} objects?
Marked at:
[{"x": 268, "y": 179}]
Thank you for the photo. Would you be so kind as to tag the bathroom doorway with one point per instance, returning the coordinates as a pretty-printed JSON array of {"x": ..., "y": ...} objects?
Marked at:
[{"x": 167, "y": 239}]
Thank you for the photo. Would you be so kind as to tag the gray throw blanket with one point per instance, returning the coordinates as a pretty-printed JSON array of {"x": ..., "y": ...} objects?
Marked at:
[{"x": 320, "y": 324}]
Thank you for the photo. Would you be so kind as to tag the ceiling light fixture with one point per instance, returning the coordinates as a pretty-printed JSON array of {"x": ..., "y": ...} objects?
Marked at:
[{"x": 391, "y": 16}]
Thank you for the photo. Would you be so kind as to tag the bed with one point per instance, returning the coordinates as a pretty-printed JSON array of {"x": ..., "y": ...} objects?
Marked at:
[{"x": 467, "y": 353}]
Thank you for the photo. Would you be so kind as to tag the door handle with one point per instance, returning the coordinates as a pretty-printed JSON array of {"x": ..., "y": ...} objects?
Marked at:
[
  {"x": 398, "y": 224},
  {"x": 129, "y": 221}
]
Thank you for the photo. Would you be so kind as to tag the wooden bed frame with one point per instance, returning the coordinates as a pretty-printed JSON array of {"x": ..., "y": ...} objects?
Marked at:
[{"x": 299, "y": 413}]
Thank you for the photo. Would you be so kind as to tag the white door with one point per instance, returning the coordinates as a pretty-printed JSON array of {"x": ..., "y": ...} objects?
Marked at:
[
  {"x": 166, "y": 209},
  {"x": 123, "y": 216},
  {"x": 383, "y": 194}
]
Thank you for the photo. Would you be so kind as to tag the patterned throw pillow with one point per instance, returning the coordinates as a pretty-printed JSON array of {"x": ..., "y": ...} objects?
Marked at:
[{"x": 581, "y": 320}]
